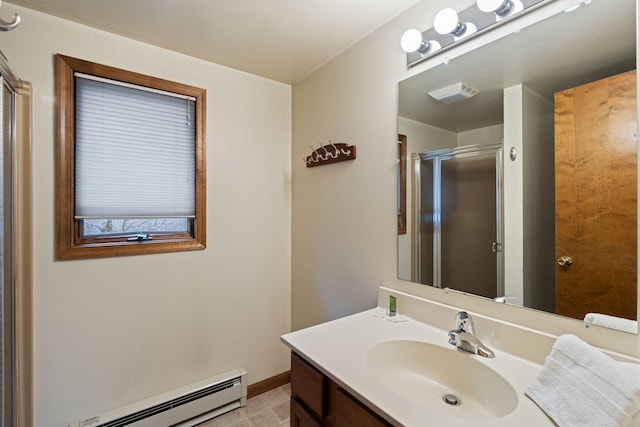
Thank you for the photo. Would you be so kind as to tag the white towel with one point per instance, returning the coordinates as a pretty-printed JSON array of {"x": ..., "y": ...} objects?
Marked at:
[
  {"x": 579, "y": 386},
  {"x": 612, "y": 322}
]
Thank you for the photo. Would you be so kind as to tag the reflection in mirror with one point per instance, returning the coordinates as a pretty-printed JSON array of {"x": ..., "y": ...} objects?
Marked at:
[
  {"x": 402, "y": 184},
  {"x": 450, "y": 184},
  {"x": 561, "y": 96}
]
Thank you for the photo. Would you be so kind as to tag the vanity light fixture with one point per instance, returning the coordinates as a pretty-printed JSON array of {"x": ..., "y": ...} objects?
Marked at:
[
  {"x": 412, "y": 41},
  {"x": 502, "y": 8},
  {"x": 451, "y": 27},
  {"x": 447, "y": 22}
]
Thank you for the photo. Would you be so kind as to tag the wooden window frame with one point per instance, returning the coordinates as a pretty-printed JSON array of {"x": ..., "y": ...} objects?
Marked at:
[
  {"x": 402, "y": 184},
  {"x": 70, "y": 244}
]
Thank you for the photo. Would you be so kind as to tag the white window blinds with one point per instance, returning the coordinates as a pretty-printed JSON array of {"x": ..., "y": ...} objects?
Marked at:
[{"x": 134, "y": 151}]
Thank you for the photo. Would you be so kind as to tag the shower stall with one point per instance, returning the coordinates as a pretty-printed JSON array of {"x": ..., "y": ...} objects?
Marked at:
[
  {"x": 15, "y": 250},
  {"x": 457, "y": 204}
]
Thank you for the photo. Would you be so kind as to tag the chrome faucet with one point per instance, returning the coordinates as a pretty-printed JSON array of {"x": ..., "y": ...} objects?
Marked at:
[{"x": 463, "y": 336}]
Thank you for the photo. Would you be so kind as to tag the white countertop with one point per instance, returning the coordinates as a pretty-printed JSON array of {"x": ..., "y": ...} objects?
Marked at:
[{"x": 339, "y": 348}]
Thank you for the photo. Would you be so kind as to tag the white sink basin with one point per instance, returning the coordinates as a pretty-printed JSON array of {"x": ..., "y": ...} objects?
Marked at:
[{"x": 425, "y": 374}]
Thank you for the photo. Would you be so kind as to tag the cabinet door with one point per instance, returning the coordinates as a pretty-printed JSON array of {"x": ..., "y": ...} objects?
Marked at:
[
  {"x": 308, "y": 384},
  {"x": 300, "y": 417},
  {"x": 351, "y": 413}
]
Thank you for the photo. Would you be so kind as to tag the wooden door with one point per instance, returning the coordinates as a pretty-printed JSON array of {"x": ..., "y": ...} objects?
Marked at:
[{"x": 596, "y": 193}]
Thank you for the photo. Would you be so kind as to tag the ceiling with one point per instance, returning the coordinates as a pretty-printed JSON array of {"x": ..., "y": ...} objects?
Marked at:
[
  {"x": 564, "y": 51},
  {"x": 283, "y": 40}
]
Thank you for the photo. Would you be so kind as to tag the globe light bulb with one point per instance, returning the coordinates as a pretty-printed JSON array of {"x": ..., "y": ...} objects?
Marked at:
[
  {"x": 446, "y": 21},
  {"x": 502, "y": 8},
  {"x": 411, "y": 40},
  {"x": 491, "y": 5}
]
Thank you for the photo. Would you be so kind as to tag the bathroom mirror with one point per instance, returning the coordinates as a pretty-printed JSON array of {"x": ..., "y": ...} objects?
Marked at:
[{"x": 568, "y": 50}]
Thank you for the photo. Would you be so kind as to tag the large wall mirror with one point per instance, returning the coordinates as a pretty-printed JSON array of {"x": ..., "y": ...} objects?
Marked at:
[{"x": 526, "y": 192}]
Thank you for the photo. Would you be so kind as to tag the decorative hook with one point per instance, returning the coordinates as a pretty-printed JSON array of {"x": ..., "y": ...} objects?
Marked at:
[
  {"x": 336, "y": 152},
  {"x": 8, "y": 26},
  {"x": 318, "y": 156},
  {"x": 313, "y": 151},
  {"x": 327, "y": 153}
]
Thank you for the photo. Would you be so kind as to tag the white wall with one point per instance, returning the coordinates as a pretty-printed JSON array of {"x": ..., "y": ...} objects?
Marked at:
[
  {"x": 529, "y": 201},
  {"x": 422, "y": 138},
  {"x": 344, "y": 239},
  {"x": 112, "y": 331},
  {"x": 539, "y": 202},
  {"x": 485, "y": 135},
  {"x": 344, "y": 236},
  {"x": 513, "y": 243}
]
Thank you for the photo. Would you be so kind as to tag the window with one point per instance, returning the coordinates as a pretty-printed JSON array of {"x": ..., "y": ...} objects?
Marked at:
[{"x": 130, "y": 163}]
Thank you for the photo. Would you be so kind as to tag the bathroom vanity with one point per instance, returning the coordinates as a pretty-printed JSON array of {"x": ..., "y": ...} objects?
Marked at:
[
  {"x": 365, "y": 370},
  {"x": 317, "y": 401}
]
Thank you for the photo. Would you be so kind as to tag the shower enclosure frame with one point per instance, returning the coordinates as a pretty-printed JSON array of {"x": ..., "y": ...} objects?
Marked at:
[
  {"x": 16, "y": 395},
  {"x": 438, "y": 157}
]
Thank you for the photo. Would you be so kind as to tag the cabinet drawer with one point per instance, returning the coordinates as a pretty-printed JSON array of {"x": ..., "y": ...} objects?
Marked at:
[{"x": 309, "y": 385}]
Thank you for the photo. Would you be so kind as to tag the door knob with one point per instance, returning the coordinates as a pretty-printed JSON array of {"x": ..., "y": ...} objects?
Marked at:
[{"x": 565, "y": 261}]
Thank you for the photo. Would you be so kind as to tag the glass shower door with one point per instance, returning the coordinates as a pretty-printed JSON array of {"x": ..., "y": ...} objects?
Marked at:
[
  {"x": 7, "y": 307},
  {"x": 468, "y": 224},
  {"x": 461, "y": 219}
]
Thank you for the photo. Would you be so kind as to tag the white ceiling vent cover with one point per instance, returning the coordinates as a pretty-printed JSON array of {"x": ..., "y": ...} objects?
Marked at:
[{"x": 453, "y": 93}]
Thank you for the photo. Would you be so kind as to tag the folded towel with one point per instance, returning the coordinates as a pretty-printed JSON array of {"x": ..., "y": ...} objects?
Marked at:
[
  {"x": 612, "y": 322},
  {"x": 579, "y": 386}
]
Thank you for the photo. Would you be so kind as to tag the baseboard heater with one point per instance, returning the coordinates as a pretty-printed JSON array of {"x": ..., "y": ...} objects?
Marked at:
[{"x": 183, "y": 407}]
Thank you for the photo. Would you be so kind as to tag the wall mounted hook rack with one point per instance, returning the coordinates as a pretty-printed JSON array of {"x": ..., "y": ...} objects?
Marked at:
[{"x": 330, "y": 153}]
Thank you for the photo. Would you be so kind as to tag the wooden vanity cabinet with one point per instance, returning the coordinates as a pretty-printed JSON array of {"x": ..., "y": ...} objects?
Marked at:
[
  {"x": 317, "y": 401},
  {"x": 300, "y": 417}
]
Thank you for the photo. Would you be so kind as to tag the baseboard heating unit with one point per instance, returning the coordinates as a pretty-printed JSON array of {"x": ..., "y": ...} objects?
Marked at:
[{"x": 183, "y": 407}]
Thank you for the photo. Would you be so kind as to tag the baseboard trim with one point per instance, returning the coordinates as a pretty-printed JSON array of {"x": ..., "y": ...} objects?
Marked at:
[{"x": 268, "y": 384}]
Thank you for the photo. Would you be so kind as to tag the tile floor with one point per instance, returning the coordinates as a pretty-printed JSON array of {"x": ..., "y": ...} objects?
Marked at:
[{"x": 270, "y": 409}]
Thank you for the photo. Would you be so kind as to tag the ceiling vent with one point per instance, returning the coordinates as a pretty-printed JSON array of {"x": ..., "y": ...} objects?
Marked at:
[{"x": 453, "y": 93}]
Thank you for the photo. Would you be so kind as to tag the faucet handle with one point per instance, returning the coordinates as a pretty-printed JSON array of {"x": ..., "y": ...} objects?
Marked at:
[
  {"x": 464, "y": 322},
  {"x": 453, "y": 337}
]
